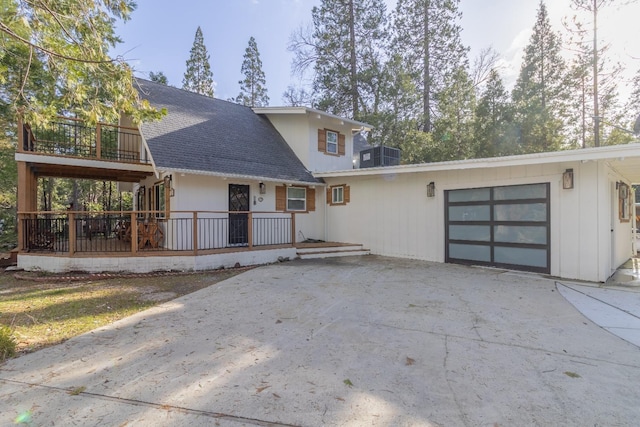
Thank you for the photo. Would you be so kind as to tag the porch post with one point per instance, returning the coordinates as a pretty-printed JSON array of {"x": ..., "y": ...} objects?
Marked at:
[
  {"x": 71, "y": 227},
  {"x": 26, "y": 199},
  {"x": 98, "y": 141},
  {"x": 21, "y": 201},
  {"x": 20, "y": 145},
  {"x": 293, "y": 229},
  {"x": 134, "y": 233},
  {"x": 250, "y": 230},
  {"x": 195, "y": 233}
]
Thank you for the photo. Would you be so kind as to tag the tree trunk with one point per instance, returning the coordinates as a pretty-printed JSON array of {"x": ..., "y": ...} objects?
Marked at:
[
  {"x": 426, "y": 90},
  {"x": 354, "y": 70}
]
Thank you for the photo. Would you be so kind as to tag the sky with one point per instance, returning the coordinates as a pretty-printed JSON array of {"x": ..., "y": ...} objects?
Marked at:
[{"x": 160, "y": 34}]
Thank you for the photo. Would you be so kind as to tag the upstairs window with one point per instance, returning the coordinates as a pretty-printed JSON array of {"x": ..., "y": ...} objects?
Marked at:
[{"x": 331, "y": 142}]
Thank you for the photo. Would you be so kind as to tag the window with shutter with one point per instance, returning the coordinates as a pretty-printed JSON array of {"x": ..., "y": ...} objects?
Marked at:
[
  {"x": 295, "y": 199},
  {"x": 338, "y": 195},
  {"x": 331, "y": 142}
]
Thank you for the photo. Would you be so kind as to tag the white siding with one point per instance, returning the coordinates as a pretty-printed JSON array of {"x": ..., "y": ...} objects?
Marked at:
[
  {"x": 301, "y": 133},
  {"x": 391, "y": 214}
]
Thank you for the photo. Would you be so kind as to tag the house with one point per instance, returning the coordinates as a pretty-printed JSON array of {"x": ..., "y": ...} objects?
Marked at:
[{"x": 216, "y": 183}]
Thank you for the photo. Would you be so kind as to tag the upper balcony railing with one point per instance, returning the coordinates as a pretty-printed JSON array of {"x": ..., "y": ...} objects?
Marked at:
[{"x": 72, "y": 138}]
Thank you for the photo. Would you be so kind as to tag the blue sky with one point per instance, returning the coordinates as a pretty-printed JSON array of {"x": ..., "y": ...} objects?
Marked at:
[{"x": 160, "y": 34}]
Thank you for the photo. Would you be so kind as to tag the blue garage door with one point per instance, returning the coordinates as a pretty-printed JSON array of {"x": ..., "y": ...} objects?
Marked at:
[{"x": 499, "y": 226}]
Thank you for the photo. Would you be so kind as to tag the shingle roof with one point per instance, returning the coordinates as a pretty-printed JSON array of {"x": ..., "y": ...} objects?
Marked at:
[{"x": 210, "y": 135}]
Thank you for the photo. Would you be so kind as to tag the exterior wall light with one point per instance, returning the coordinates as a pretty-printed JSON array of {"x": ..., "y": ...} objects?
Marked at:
[
  {"x": 567, "y": 179},
  {"x": 431, "y": 189},
  {"x": 263, "y": 188}
]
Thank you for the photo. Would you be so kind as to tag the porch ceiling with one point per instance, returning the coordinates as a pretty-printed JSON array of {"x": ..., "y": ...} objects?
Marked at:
[
  {"x": 629, "y": 167},
  {"x": 81, "y": 172}
]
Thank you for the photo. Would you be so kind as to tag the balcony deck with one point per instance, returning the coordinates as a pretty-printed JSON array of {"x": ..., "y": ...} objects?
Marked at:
[{"x": 69, "y": 148}]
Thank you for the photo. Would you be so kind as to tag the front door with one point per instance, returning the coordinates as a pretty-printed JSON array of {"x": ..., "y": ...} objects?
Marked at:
[{"x": 238, "y": 222}]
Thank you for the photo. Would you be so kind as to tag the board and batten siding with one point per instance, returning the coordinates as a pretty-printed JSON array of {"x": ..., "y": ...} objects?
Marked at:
[{"x": 390, "y": 214}]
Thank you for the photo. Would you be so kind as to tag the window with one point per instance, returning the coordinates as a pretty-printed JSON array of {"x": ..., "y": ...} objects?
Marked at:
[
  {"x": 624, "y": 204},
  {"x": 337, "y": 195},
  {"x": 140, "y": 201},
  {"x": 332, "y": 142},
  {"x": 296, "y": 199},
  {"x": 159, "y": 200}
]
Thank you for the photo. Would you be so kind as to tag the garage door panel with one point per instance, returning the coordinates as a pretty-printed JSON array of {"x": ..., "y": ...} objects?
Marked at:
[
  {"x": 470, "y": 213},
  {"x": 519, "y": 192},
  {"x": 521, "y": 212},
  {"x": 478, "y": 233},
  {"x": 520, "y": 256},
  {"x": 470, "y": 252},
  {"x": 536, "y": 235},
  {"x": 470, "y": 195}
]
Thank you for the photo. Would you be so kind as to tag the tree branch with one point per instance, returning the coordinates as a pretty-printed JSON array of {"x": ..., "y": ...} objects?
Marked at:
[{"x": 5, "y": 29}]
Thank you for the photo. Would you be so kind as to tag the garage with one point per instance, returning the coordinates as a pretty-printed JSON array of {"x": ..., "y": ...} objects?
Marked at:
[{"x": 506, "y": 226}]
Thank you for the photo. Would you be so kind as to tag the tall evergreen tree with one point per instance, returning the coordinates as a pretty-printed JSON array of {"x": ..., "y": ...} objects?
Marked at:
[
  {"x": 343, "y": 50},
  {"x": 253, "y": 91},
  {"x": 493, "y": 124},
  {"x": 453, "y": 129},
  {"x": 539, "y": 94},
  {"x": 633, "y": 103},
  {"x": 198, "y": 77},
  {"x": 582, "y": 114},
  {"x": 427, "y": 33}
]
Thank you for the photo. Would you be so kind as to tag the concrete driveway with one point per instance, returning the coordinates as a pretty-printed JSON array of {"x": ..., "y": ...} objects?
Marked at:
[{"x": 339, "y": 342}]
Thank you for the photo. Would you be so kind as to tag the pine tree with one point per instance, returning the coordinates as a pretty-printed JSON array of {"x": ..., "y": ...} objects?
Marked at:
[
  {"x": 343, "y": 50},
  {"x": 198, "y": 78},
  {"x": 69, "y": 42},
  {"x": 158, "y": 77},
  {"x": 539, "y": 95},
  {"x": 493, "y": 124},
  {"x": 427, "y": 34},
  {"x": 633, "y": 104},
  {"x": 253, "y": 91},
  {"x": 453, "y": 129}
]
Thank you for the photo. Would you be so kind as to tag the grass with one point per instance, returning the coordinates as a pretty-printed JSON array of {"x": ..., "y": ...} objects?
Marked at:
[{"x": 42, "y": 314}]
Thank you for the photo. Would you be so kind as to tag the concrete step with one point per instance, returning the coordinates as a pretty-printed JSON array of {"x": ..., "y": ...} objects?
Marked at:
[
  {"x": 328, "y": 248},
  {"x": 332, "y": 251}
]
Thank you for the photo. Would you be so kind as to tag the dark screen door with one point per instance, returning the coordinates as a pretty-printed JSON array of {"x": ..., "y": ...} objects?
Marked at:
[{"x": 238, "y": 222}]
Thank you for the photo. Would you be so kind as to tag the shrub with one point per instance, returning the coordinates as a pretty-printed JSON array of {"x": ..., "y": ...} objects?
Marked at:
[{"x": 7, "y": 344}]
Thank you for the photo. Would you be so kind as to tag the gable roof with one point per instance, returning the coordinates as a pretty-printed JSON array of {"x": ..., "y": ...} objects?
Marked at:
[{"x": 210, "y": 136}]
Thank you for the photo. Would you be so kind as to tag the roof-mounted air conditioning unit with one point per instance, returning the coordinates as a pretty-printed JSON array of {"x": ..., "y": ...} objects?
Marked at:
[{"x": 379, "y": 156}]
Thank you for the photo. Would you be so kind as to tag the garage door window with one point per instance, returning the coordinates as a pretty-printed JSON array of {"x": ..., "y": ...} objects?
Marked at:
[{"x": 499, "y": 226}]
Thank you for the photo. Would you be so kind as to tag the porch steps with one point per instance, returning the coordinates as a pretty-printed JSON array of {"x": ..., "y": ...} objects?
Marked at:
[{"x": 327, "y": 250}]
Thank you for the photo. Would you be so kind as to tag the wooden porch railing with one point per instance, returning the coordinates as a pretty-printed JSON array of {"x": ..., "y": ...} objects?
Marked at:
[
  {"x": 70, "y": 137},
  {"x": 178, "y": 233}
]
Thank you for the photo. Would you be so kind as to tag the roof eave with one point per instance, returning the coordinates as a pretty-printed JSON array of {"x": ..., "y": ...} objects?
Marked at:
[
  {"x": 308, "y": 110},
  {"x": 586, "y": 154},
  {"x": 237, "y": 176}
]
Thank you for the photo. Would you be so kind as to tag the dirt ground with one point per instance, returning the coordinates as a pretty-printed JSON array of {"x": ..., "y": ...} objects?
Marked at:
[{"x": 44, "y": 310}]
